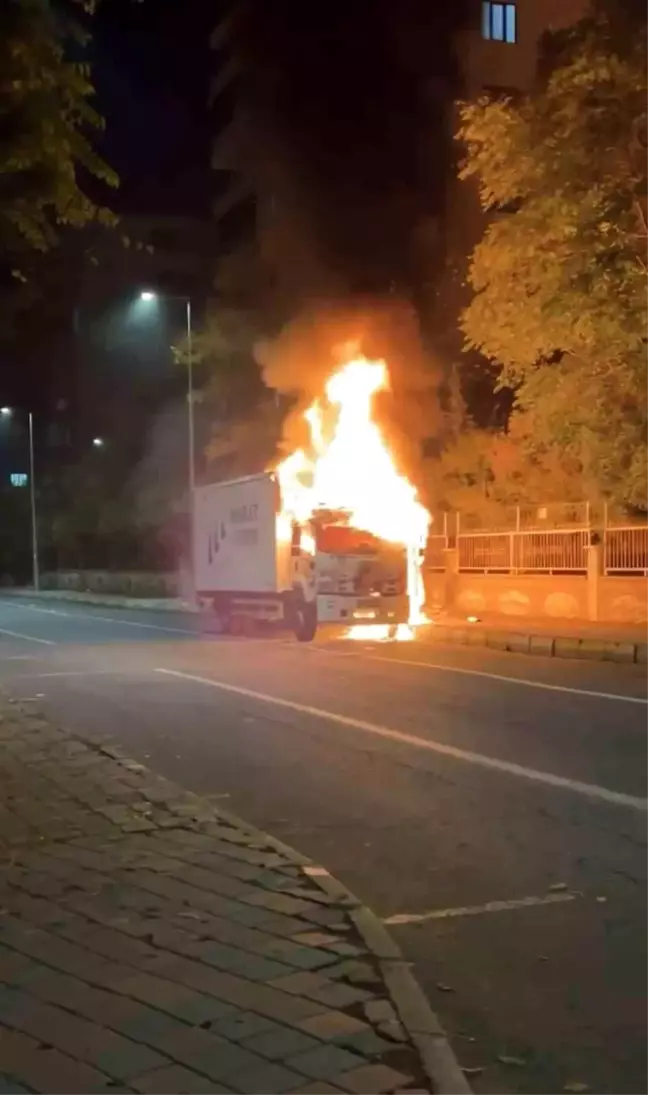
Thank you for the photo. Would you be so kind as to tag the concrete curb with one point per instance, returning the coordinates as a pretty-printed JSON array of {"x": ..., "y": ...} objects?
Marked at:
[
  {"x": 410, "y": 1003},
  {"x": 540, "y": 643}
]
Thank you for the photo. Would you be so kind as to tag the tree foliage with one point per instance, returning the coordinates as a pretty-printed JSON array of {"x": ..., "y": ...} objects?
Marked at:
[
  {"x": 559, "y": 277},
  {"x": 46, "y": 117},
  {"x": 243, "y": 417}
]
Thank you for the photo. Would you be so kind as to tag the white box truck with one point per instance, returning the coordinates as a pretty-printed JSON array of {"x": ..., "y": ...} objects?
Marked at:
[{"x": 249, "y": 565}]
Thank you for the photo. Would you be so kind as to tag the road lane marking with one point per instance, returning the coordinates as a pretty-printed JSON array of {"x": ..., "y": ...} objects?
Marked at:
[
  {"x": 20, "y": 658},
  {"x": 77, "y": 673},
  {"x": 196, "y": 633},
  {"x": 107, "y": 620},
  {"x": 27, "y": 638},
  {"x": 525, "y": 682},
  {"x": 589, "y": 790},
  {"x": 399, "y": 919}
]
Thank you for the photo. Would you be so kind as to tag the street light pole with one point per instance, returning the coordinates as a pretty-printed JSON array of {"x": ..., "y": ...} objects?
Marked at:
[
  {"x": 150, "y": 295},
  {"x": 7, "y": 412},
  {"x": 190, "y": 401},
  {"x": 32, "y": 493},
  {"x": 192, "y": 448}
]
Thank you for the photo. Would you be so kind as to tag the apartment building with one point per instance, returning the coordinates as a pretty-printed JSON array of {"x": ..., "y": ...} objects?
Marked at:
[
  {"x": 498, "y": 51},
  {"x": 500, "y": 48},
  {"x": 238, "y": 198}
]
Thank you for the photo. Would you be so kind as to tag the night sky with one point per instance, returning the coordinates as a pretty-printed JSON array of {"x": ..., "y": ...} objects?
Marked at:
[{"x": 151, "y": 68}]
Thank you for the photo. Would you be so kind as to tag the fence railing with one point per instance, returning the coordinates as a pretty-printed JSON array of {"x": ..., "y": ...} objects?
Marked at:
[
  {"x": 625, "y": 549},
  {"x": 539, "y": 539},
  {"x": 552, "y": 516},
  {"x": 435, "y": 552},
  {"x": 550, "y": 551}
]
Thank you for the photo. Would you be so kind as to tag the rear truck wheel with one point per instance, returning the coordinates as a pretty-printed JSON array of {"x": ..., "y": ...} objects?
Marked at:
[
  {"x": 213, "y": 620},
  {"x": 224, "y": 623},
  {"x": 217, "y": 617},
  {"x": 304, "y": 619},
  {"x": 236, "y": 626}
]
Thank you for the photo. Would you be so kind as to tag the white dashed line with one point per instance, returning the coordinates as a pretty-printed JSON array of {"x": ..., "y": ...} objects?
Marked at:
[
  {"x": 81, "y": 616},
  {"x": 76, "y": 673},
  {"x": 27, "y": 638},
  {"x": 589, "y": 790},
  {"x": 400, "y": 919}
]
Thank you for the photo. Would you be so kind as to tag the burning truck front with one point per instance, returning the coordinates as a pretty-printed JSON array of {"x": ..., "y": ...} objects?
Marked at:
[{"x": 360, "y": 578}]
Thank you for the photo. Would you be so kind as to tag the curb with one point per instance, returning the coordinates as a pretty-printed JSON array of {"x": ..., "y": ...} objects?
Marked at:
[
  {"x": 410, "y": 1003},
  {"x": 540, "y": 643}
]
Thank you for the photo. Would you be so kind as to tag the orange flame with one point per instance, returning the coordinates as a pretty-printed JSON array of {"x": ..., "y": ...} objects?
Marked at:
[{"x": 350, "y": 468}]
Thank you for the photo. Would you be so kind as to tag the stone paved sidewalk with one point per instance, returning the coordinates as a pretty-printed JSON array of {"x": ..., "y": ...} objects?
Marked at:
[{"x": 151, "y": 944}]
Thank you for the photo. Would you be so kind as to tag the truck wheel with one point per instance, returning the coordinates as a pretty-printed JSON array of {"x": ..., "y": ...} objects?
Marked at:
[
  {"x": 224, "y": 623},
  {"x": 304, "y": 620}
]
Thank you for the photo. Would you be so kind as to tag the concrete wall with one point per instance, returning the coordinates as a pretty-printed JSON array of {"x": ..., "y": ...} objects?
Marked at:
[
  {"x": 563, "y": 597},
  {"x": 566, "y": 597},
  {"x": 623, "y": 599}
]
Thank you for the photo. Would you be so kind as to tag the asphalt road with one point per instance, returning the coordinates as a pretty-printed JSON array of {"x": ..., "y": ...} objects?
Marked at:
[{"x": 433, "y": 781}]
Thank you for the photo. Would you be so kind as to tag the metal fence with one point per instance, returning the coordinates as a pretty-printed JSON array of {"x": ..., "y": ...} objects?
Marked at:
[
  {"x": 549, "y": 539},
  {"x": 550, "y": 552},
  {"x": 625, "y": 549},
  {"x": 556, "y": 516},
  {"x": 435, "y": 557}
]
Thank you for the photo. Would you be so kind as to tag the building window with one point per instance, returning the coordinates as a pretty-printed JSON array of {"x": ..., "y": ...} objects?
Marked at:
[{"x": 499, "y": 22}]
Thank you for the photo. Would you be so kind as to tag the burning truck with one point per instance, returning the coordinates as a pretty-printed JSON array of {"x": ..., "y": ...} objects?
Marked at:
[{"x": 333, "y": 534}]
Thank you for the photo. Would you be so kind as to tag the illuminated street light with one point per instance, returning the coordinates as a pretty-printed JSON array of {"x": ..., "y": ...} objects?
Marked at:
[
  {"x": 98, "y": 442},
  {"x": 7, "y": 412},
  {"x": 147, "y": 295}
]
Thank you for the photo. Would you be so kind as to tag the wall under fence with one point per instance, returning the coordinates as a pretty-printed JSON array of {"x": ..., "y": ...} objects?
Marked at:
[{"x": 562, "y": 561}]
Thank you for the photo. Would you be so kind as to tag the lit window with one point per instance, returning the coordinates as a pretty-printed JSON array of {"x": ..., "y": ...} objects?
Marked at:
[
  {"x": 499, "y": 23},
  {"x": 510, "y": 27}
]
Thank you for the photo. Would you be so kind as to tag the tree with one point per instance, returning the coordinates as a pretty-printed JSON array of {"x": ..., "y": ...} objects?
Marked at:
[
  {"x": 559, "y": 278},
  {"x": 243, "y": 416},
  {"x": 45, "y": 117}
]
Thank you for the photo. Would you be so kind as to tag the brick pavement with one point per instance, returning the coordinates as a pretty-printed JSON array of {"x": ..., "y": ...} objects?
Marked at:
[{"x": 149, "y": 943}]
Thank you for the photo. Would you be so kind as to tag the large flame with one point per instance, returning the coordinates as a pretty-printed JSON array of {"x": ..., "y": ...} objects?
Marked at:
[{"x": 349, "y": 467}]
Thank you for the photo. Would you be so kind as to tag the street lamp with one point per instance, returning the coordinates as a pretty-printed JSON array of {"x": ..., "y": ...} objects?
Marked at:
[
  {"x": 7, "y": 412},
  {"x": 98, "y": 442},
  {"x": 147, "y": 295}
]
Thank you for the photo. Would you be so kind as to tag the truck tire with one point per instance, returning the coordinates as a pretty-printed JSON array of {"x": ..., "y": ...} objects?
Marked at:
[{"x": 304, "y": 619}]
